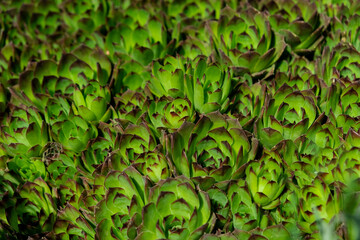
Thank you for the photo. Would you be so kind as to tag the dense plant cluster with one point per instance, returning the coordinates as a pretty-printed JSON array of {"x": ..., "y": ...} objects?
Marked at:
[{"x": 184, "y": 119}]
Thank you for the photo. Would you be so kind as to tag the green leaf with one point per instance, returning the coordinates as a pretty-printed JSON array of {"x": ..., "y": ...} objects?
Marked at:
[
  {"x": 276, "y": 232},
  {"x": 143, "y": 55}
]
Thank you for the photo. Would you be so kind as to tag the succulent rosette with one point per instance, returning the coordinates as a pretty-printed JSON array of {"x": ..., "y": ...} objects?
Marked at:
[
  {"x": 43, "y": 83},
  {"x": 34, "y": 206},
  {"x": 97, "y": 150},
  {"x": 130, "y": 106},
  {"x": 176, "y": 210},
  {"x": 169, "y": 113},
  {"x": 152, "y": 164},
  {"x": 135, "y": 140},
  {"x": 208, "y": 87},
  {"x": 71, "y": 223},
  {"x": 73, "y": 133},
  {"x": 287, "y": 115},
  {"x": 288, "y": 214},
  {"x": 244, "y": 211},
  {"x": 347, "y": 169},
  {"x": 247, "y": 42},
  {"x": 303, "y": 29},
  {"x": 23, "y": 131},
  {"x": 119, "y": 213},
  {"x": 129, "y": 74},
  {"x": 346, "y": 107},
  {"x": 90, "y": 64},
  {"x": 266, "y": 180},
  {"x": 248, "y": 103},
  {"x": 318, "y": 202},
  {"x": 57, "y": 109},
  {"x": 168, "y": 78},
  {"x": 91, "y": 102},
  {"x": 215, "y": 147},
  {"x": 337, "y": 63}
]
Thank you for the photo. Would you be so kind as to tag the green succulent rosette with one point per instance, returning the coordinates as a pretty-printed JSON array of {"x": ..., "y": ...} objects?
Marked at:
[
  {"x": 73, "y": 133},
  {"x": 118, "y": 214},
  {"x": 266, "y": 180},
  {"x": 23, "y": 131},
  {"x": 72, "y": 223},
  {"x": 244, "y": 211},
  {"x": 347, "y": 169},
  {"x": 247, "y": 41},
  {"x": 153, "y": 165},
  {"x": 28, "y": 168},
  {"x": 168, "y": 78},
  {"x": 90, "y": 63},
  {"x": 91, "y": 103},
  {"x": 32, "y": 211},
  {"x": 212, "y": 150},
  {"x": 131, "y": 106},
  {"x": 318, "y": 202},
  {"x": 248, "y": 103},
  {"x": 141, "y": 34},
  {"x": 303, "y": 26},
  {"x": 208, "y": 86},
  {"x": 176, "y": 210},
  {"x": 129, "y": 74},
  {"x": 38, "y": 86},
  {"x": 343, "y": 104},
  {"x": 57, "y": 109},
  {"x": 135, "y": 140},
  {"x": 325, "y": 136},
  {"x": 95, "y": 154},
  {"x": 339, "y": 62},
  {"x": 169, "y": 113},
  {"x": 288, "y": 213},
  {"x": 220, "y": 204},
  {"x": 344, "y": 31},
  {"x": 287, "y": 115}
]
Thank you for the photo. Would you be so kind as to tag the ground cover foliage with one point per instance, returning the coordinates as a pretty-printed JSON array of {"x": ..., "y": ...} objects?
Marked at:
[{"x": 179, "y": 119}]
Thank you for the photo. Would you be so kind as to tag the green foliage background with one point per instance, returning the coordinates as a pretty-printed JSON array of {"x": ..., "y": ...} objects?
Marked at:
[{"x": 179, "y": 119}]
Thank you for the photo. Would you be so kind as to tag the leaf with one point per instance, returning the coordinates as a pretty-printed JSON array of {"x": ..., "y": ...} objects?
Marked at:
[
  {"x": 143, "y": 55},
  {"x": 33, "y": 134},
  {"x": 198, "y": 95},
  {"x": 276, "y": 232},
  {"x": 45, "y": 68},
  {"x": 133, "y": 81},
  {"x": 270, "y": 137}
]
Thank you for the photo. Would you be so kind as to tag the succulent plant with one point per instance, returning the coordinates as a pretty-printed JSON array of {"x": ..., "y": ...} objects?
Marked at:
[
  {"x": 167, "y": 113},
  {"x": 91, "y": 103},
  {"x": 73, "y": 133},
  {"x": 317, "y": 199},
  {"x": 130, "y": 106},
  {"x": 266, "y": 179},
  {"x": 118, "y": 214},
  {"x": 168, "y": 78},
  {"x": 34, "y": 210},
  {"x": 179, "y": 119},
  {"x": 175, "y": 210},
  {"x": 23, "y": 131},
  {"x": 244, "y": 210},
  {"x": 153, "y": 164},
  {"x": 215, "y": 147},
  {"x": 209, "y": 87}
]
